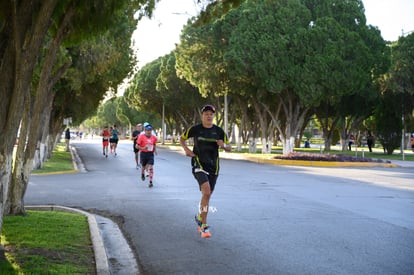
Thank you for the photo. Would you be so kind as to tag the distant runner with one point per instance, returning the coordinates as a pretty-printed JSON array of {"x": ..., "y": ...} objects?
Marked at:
[
  {"x": 114, "y": 139},
  {"x": 105, "y": 141},
  {"x": 147, "y": 146},
  {"x": 135, "y": 148}
]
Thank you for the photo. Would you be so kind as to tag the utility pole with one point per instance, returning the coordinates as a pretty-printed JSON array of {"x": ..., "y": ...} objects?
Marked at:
[
  {"x": 226, "y": 110},
  {"x": 402, "y": 137},
  {"x": 163, "y": 124}
]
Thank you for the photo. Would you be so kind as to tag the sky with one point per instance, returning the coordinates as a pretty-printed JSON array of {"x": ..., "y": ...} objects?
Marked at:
[{"x": 158, "y": 36}]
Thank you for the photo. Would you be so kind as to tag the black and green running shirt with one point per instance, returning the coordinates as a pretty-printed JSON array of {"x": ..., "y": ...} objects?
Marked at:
[{"x": 205, "y": 146}]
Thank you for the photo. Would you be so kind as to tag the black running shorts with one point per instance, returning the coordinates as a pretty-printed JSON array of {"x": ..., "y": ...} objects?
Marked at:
[
  {"x": 202, "y": 177},
  {"x": 147, "y": 158}
]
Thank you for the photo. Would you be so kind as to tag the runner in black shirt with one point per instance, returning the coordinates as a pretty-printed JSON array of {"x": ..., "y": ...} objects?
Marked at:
[
  {"x": 208, "y": 138},
  {"x": 135, "y": 148}
]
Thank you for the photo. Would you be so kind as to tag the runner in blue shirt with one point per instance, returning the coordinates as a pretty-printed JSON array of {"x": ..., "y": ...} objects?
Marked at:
[{"x": 114, "y": 139}]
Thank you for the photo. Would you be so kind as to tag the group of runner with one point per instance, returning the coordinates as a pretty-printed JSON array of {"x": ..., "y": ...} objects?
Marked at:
[
  {"x": 208, "y": 139},
  {"x": 144, "y": 147},
  {"x": 110, "y": 139}
]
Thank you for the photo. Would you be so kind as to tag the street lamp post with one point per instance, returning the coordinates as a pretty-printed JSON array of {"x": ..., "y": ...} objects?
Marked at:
[
  {"x": 163, "y": 124},
  {"x": 225, "y": 114},
  {"x": 402, "y": 137}
]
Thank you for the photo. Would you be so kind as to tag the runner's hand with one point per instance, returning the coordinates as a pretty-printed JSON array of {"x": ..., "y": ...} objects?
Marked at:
[{"x": 189, "y": 153}]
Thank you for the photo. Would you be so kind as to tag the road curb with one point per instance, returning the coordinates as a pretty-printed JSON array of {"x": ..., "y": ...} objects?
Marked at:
[
  {"x": 101, "y": 259},
  {"x": 77, "y": 162}
]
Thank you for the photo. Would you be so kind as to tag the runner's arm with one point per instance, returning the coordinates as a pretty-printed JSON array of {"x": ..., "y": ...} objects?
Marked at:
[{"x": 187, "y": 150}]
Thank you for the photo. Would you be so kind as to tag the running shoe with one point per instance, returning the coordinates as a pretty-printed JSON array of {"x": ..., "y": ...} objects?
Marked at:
[
  {"x": 150, "y": 184},
  {"x": 142, "y": 176},
  {"x": 198, "y": 222},
  {"x": 205, "y": 232}
]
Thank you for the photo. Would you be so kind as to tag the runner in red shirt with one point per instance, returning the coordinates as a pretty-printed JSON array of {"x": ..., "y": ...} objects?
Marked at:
[
  {"x": 147, "y": 148},
  {"x": 105, "y": 140}
]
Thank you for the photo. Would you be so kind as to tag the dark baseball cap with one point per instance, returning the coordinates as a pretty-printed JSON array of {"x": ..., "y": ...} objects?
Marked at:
[{"x": 208, "y": 108}]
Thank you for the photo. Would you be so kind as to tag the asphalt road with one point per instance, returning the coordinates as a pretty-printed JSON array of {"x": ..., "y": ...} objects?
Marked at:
[{"x": 264, "y": 219}]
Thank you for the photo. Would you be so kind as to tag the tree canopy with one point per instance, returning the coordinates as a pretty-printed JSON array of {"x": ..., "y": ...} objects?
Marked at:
[{"x": 46, "y": 48}]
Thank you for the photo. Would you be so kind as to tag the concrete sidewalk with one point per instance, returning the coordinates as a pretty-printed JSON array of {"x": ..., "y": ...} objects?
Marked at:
[{"x": 404, "y": 163}]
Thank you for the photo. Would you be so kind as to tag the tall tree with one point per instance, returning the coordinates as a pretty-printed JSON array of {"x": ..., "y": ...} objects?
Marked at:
[
  {"x": 103, "y": 59},
  {"x": 179, "y": 113},
  {"x": 267, "y": 50},
  {"x": 397, "y": 95},
  {"x": 25, "y": 25},
  {"x": 199, "y": 59},
  {"x": 401, "y": 74},
  {"x": 143, "y": 95},
  {"x": 344, "y": 48}
]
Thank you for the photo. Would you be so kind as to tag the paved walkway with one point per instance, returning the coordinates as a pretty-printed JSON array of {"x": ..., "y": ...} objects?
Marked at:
[{"x": 404, "y": 163}]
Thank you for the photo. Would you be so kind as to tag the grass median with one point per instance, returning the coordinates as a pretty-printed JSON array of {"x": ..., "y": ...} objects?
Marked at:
[
  {"x": 60, "y": 162},
  {"x": 48, "y": 242}
]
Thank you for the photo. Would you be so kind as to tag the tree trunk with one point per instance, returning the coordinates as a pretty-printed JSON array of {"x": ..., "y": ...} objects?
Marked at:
[
  {"x": 328, "y": 141},
  {"x": 262, "y": 114},
  {"x": 294, "y": 117},
  {"x": 18, "y": 186},
  {"x": 349, "y": 123},
  {"x": 15, "y": 198},
  {"x": 5, "y": 168},
  {"x": 41, "y": 150},
  {"x": 288, "y": 145},
  {"x": 328, "y": 134},
  {"x": 269, "y": 145},
  {"x": 26, "y": 28},
  {"x": 44, "y": 94}
]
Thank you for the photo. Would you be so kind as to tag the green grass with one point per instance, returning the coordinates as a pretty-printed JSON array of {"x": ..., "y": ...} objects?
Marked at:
[
  {"x": 47, "y": 242},
  {"x": 61, "y": 161}
]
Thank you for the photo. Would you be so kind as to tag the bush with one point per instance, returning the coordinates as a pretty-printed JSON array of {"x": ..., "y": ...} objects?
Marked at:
[{"x": 327, "y": 157}]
